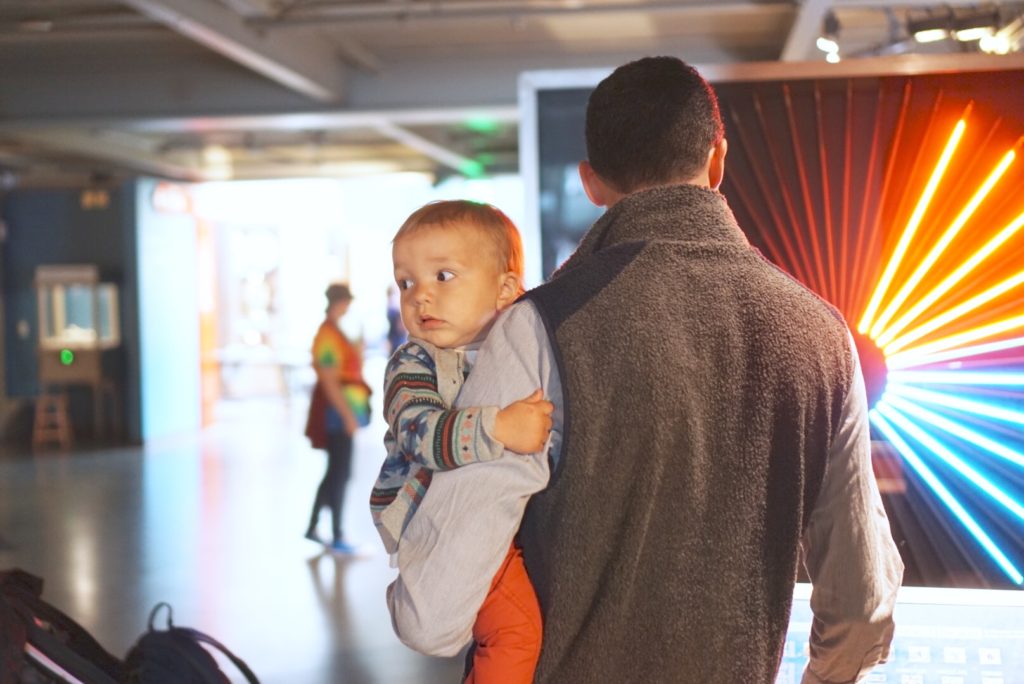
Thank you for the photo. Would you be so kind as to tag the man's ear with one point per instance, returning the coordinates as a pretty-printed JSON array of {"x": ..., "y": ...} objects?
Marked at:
[
  {"x": 597, "y": 191},
  {"x": 716, "y": 163},
  {"x": 508, "y": 290}
]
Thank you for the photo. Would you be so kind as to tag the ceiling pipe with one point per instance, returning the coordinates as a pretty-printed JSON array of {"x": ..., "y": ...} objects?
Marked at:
[{"x": 327, "y": 11}]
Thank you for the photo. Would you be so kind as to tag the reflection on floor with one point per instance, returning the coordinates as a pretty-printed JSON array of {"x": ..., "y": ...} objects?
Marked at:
[{"x": 212, "y": 523}]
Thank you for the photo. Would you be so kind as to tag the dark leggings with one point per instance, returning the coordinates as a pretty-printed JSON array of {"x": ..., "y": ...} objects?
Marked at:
[{"x": 332, "y": 488}]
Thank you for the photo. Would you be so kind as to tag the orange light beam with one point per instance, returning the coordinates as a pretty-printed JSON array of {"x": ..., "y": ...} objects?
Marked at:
[
  {"x": 812, "y": 222},
  {"x": 955, "y": 313},
  {"x": 786, "y": 199},
  {"x": 911, "y": 228},
  {"x": 844, "y": 232},
  {"x": 885, "y": 335},
  {"x": 972, "y": 335},
  {"x": 905, "y": 360},
  {"x": 833, "y": 290},
  {"x": 919, "y": 150},
  {"x": 961, "y": 272},
  {"x": 765, "y": 234},
  {"x": 781, "y": 229},
  {"x": 860, "y": 270}
]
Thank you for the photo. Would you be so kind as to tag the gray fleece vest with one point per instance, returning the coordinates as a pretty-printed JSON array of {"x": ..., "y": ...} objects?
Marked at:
[{"x": 702, "y": 388}]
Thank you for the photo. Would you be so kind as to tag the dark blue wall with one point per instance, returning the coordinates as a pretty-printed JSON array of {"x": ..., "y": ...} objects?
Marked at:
[{"x": 50, "y": 227}]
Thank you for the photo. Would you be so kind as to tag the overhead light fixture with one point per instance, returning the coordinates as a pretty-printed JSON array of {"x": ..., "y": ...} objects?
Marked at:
[
  {"x": 964, "y": 25},
  {"x": 94, "y": 198},
  {"x": 217, "y": 162},
  {"x": 1005, "y": 40},
  {"x": 216, "y": 155},
  {"x": 931, "y": 35},
  {"x": 974, "y": 25},
  {"x": 972, "y": 34},
  {"x": 998, "y": 44},
  {"x": 827, "y": 42},
  {"x": 96, "y": 195},
  {"x": 931, "y": 27}
]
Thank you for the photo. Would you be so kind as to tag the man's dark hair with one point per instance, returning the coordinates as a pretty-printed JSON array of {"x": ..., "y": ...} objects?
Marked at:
[{"x": 651, "y": 122}]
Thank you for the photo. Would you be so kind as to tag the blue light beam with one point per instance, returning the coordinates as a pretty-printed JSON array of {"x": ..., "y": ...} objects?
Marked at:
[
  {"x": 958, "y": 430},
  {"x": 956, "y": 377},
  {"x": 946, "y": 496},
  {"x": 959, "y": 403},
  {"x": 890, "y": 411}
]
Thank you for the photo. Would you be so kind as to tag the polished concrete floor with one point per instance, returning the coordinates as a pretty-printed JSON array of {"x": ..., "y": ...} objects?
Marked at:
[{"x": 212, "y": 523}]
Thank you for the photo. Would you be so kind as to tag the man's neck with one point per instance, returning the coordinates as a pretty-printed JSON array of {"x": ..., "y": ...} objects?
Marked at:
[{"x": 700, "y": 181}]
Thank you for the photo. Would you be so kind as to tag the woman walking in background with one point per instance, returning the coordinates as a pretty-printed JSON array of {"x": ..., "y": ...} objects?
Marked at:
[{"x": 339, "y": 406}]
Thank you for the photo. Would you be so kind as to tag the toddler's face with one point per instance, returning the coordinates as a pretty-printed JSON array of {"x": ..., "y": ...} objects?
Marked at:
[{"x": 450, "y": 284}]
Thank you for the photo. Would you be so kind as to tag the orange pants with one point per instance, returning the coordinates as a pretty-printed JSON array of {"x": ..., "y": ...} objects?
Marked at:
[{"x": 508, "y": 627}]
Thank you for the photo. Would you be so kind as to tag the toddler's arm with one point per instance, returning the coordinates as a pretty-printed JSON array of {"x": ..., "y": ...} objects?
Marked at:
[
  {"x": 425, "y": 430},
  {"x": 434, "y": 436},
  {"x": 425, "y": 436}
]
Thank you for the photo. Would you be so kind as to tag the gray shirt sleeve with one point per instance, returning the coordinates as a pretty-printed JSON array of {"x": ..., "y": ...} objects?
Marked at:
[
  {"x": 462, "y": 529},
  {"x": 851, "y": 558}
]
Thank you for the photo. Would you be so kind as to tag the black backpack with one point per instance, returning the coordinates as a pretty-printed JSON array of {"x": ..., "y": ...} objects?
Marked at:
[
  {"x": 176, "y": 656},
  {"x": 40, "y": 643}
]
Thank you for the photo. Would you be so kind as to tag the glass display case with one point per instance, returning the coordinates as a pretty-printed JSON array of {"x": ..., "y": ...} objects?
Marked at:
[{"x": 78, "y": 321}]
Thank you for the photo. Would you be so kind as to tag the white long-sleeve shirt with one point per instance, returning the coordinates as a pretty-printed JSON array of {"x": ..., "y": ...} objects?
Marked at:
[{"x": 459, "y": 536}]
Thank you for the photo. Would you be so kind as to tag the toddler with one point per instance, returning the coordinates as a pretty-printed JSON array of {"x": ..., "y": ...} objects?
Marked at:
[{"x": 457, "y": 265}]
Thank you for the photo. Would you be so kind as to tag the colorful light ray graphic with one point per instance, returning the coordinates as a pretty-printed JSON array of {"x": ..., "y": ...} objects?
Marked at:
[
  {"x": 948, "y": 499},
  {"x": 908, "y": 232},
  {"x": 956, "y": 276},
  {"x": 957, "y": 378},
  {"x": 922, "y": 269},
  {"x": 909, "y": 360},
  {"x": 949, "y": 316},
  {"x": 882, "y": 324},
  {"x": 932, "y": 276},
  {"x": 958, "y": 403},
  {"x": 889, "y": 410},
  {"x": 957, "y": 430}
]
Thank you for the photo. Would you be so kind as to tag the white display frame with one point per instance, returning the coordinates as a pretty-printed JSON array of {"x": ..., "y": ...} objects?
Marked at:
[{"x": 533, "y": 82}]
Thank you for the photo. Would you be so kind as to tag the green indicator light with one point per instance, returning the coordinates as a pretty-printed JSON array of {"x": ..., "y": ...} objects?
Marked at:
[
  {"x": 482, "y": 124},
  {"x": 67, "y": 357},
  {"x": 472, "y": 168},
  {"x": 485, "y": 158}
]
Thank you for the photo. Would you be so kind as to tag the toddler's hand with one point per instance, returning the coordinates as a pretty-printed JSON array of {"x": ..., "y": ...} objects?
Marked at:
[{"x": 523, "y": 426}]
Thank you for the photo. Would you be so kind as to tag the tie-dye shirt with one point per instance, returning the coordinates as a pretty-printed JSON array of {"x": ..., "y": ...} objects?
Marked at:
[{"x": 331, "y": 349}]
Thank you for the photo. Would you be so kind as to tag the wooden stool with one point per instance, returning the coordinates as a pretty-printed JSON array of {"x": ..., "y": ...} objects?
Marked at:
[{"x": 52, "y": 424}]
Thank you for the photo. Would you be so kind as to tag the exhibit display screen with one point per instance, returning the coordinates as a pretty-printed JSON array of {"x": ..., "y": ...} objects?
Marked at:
[
  {"x": 943, "y": 636},
  {"x": 896, "y": 197}
]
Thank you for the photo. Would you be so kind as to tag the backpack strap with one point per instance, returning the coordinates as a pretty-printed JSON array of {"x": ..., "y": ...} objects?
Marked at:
[
  {"x": 156, "y": 609},
  {"x": 12, "y": 641},
  {"x": 200, "y": 637},
  {"x": 71, "y": 663},
  {"x": 66, "y": 643},
  {"x": 209, "y": 640}
]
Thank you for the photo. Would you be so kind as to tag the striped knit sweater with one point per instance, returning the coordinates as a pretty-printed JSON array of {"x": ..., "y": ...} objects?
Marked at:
[{"x": 424, "y": 433}]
